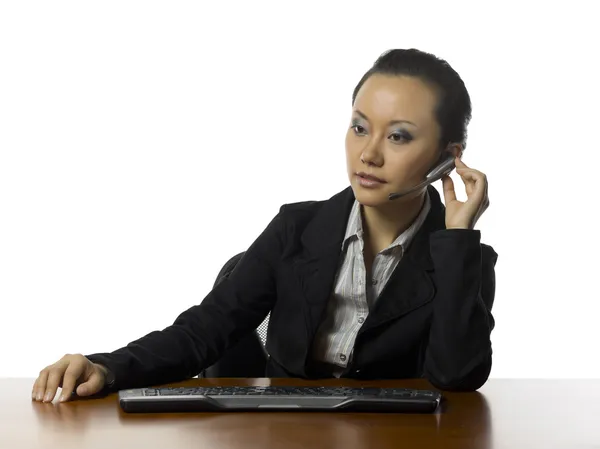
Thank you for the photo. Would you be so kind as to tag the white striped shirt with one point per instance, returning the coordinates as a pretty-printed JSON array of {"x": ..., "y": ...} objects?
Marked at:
[{"x": 353, "y": 296}]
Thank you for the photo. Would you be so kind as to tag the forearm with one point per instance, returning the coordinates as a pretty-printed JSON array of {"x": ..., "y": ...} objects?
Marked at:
[
  {"x": 159, "y": 357},
  {"x": 458, "y": 355},
  {"x": 198, "y": 337}
]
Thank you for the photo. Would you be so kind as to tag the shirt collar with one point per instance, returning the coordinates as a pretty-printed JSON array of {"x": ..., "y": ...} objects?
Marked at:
[{"x": 355, "y": 227}]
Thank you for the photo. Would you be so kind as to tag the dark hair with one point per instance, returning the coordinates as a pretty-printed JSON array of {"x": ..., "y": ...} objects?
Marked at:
[{"x": 453, "y": 111}]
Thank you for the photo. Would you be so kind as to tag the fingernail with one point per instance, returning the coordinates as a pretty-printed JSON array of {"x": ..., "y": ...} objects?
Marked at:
[
  {"x": 47, "y": 397},
  {"x": 63, "y": 398},
  {"x": 39, "y": 396}
]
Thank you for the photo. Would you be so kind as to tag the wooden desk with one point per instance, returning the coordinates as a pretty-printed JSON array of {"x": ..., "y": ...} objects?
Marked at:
[{"x": 515, "y": 414}]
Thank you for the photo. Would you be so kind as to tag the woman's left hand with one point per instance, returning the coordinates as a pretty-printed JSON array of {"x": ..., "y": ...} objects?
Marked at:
[{"x": 461, "y": 215}]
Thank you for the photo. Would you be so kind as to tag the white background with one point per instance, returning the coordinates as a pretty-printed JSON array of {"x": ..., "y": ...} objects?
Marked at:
[{"x": 142, "y": 144}]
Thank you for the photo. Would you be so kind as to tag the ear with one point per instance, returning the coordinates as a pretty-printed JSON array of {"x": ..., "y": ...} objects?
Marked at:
[{"x": 456, "y": 149}]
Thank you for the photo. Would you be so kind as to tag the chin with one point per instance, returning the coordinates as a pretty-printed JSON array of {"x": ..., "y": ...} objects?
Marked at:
[
  {"x": 380, "y": 196},
  {"x": 370, "y": 197}
]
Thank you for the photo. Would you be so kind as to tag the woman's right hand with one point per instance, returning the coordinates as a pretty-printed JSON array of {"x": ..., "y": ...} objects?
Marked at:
[{"x": 70, "y": 372}]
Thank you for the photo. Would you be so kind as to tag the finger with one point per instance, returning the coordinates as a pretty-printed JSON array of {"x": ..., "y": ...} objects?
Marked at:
[
  {"x": 467, "y": 181},
  {"x": 460, "y": 163},
  {"x": 470, "y": 176},
  {"x": 54, "y": 378},
  {"x": 474, "y": 180},
  {"x": 470, "y": 185},
  {"x": 477, "y": 193},
  {"x": 449, "y": 193},
  {"x": 72, "y": 374},
  {"x": 91, "y": 386},
  {"x": 470, "y": 172},
  {"x": 40, "y": 385},
  {"x": 484, "y": 204},
  {"x": 465, "y": 169},
  {"x": 34, "y": 389}
]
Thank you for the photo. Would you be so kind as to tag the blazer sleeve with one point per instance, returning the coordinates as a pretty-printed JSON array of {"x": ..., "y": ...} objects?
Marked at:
[
  {"x": 198, "y": 337},
  {"x": 459, "y": 351}
]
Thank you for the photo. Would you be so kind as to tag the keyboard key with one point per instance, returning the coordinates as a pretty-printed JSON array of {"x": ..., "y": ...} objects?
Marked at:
[{"x": 286, "y": 391}]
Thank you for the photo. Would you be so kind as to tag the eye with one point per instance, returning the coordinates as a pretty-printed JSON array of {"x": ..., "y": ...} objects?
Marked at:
[
  {"x": 400, "y": 137},
  {"x": 358, "y": 129}
]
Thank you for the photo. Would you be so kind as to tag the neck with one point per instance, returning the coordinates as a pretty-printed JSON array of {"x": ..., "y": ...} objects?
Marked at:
[{"x": 383, "y": 224}]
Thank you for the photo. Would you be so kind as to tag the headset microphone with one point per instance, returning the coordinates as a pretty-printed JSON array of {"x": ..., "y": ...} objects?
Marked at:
[{"x": 438, "y": 172}]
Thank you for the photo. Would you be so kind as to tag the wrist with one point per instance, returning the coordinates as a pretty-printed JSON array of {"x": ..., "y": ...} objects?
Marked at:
[{"x": 109, "y": 378}]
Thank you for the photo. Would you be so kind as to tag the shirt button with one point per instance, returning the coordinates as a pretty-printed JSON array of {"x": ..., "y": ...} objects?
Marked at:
[
  {"x": 361, "y": 320},
  {"x": 343, "y": 357}
]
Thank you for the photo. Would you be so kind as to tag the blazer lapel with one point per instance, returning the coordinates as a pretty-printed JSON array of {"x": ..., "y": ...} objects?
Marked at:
[
  {"x": 410, "y": 285},
  {"x": 316, "y": 266}
]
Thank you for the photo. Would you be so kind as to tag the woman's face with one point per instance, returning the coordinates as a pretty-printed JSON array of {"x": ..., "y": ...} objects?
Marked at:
[{"x": 395, "y": 133}]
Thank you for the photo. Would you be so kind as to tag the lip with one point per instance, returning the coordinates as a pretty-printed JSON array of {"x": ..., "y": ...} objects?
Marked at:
[{"x": 369, "y": 177}]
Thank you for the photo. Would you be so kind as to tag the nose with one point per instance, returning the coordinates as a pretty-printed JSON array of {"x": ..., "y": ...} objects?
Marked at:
[{"x": 371, "y": 154}]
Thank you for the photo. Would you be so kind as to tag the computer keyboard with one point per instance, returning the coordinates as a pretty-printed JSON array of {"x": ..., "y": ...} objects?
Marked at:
[
  {"x": 289, "y": 391},
  {"x": 279, "y": 398}
]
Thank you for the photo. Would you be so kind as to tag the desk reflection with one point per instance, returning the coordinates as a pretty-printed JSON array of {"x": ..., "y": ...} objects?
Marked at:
[{"x": 464, "y": 418}]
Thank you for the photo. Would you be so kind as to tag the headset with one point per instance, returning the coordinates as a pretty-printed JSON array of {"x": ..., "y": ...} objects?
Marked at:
[{"x": 437, "y": 172}]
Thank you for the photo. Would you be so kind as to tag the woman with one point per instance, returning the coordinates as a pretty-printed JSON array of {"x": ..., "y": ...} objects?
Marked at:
[{"x": 359, "y": 285}]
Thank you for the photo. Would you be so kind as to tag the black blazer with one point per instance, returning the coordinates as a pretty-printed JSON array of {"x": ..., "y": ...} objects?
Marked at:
[{"x": 433, "y": 318}]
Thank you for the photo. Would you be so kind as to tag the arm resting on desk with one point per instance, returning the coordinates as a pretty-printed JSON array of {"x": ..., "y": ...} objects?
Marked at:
[
  {"x": 198, "y": 337},
  {"x": 459, "y": 352}
]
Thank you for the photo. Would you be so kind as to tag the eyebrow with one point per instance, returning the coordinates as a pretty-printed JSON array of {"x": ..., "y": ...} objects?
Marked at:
[{"x": 393, "y": 122}]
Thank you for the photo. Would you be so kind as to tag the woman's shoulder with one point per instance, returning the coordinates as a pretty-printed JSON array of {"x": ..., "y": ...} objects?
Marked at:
[
  {"x": 305, "y": 210},
  {"x": 297, "y": 215}
]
